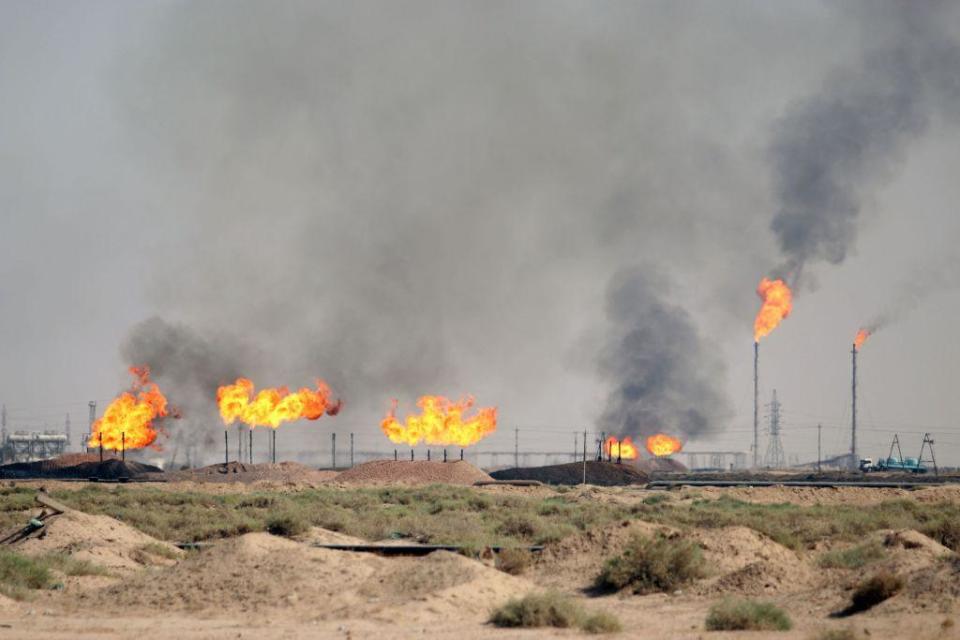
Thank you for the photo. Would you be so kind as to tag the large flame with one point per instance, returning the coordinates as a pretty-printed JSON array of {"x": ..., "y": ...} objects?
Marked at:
[
  {"x": 777, "y": 303},
  {"x": 272, "y": 407},
  {"x": 862, "y": 336},
  {"x": 663, "y": 445},
  {"x": 441, "y": 422},
  {"x": 622, "y": 449},
  {"x": 127, "y": 422}
]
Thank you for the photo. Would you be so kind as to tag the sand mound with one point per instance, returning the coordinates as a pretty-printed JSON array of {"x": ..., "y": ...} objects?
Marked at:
[
  {"x": 750, "y": 563},
  {"x": 98, "y": 539},
  {"x": 416, "y": 472},
  {"x": 575, "y": 561},
  {"x": 258, "y": 572},
  {"x": 598, "y": 473},
  {"x": 280, "y": 472}
]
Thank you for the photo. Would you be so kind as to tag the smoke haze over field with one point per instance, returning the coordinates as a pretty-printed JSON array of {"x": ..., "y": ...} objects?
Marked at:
[
  {"x": 449, "y": 198},
  {"x": 832, "y": 149}
]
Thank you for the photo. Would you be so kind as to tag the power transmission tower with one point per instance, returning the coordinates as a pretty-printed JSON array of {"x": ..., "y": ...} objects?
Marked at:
[
  {"x": 775, "y": 458},
  {"x": 928, "y": 443}
]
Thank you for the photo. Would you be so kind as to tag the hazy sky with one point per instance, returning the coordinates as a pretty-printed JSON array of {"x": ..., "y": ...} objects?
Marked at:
[{"x": 442, "y": 197}]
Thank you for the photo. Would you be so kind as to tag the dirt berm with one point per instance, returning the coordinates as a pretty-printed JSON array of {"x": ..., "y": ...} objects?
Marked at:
[
  {"x": 605, "y": 474},
  {"x": 109, "y": 469}
]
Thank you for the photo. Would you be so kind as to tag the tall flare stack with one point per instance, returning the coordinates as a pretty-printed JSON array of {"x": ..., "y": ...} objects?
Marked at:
[
  {"x": 862, "y": 336},
  {"x": 853, "y": 413},
  {"x": 777, "y": 304},
  {"x": 756, "y": 403}
]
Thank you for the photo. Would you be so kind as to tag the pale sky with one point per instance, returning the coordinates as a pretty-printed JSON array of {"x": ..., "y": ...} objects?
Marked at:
[{"x": 433, "y": 197}]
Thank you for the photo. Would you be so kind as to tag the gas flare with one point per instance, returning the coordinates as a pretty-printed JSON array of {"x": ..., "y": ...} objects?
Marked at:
[
  {"x": 127, "y": 422},
  {"x": 862, "y": 336},
  {"x": 441, "y": 422},
  {"x": 663, "y": 445},
  {"x": 623, "y": 449},
  {"x": 272, "y": 407},
  {"x": 777, "y": 304}
]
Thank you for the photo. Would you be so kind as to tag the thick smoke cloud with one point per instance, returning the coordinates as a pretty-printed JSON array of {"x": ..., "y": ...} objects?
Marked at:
[
  {"x": 188, "y": 367},
  {"x": 831, "y": 150},
  {"x": 421, "y": 200},
  {"x": 664, "y": 375}
]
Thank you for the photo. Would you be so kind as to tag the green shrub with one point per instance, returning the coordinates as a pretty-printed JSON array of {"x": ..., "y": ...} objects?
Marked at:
[
  {"x": 944, "y": 530},
  {"x": 548, "y": 609},
  {"x": 288, "y": 525},
  {"x": 551, "y": 609},
  {"x": 513, "y": 561},
  {"x": 20, "y": 573},
  {"x": 854, "y": 557},
  {"x": 652, "y": 564},
  {"x": 734, "y": 614},
  {"x": 602, "y": 622},
  {"x": 873, "y": 591}
]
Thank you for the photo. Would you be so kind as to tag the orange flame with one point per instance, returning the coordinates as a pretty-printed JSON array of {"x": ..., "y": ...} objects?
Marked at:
[
  {"x": 862, "y": 336},
  {"x": 777, "y": 304},
  {"x": 663, "y": 445},
  {"x": 624, "y": 449},
  {"x": 127, "y": 422},
  {"x": 442, "y": 422},
  {"x": 272, "y": 407}
]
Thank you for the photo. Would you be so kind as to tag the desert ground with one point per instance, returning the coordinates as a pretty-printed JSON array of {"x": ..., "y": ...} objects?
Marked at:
[{"x": 109, "y": 566}]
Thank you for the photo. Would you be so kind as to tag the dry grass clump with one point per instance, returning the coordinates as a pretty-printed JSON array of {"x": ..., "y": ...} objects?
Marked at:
[
  {"x": 20, "y": 574},
  {"x": 288, "y": 525},
  {"x": 159, "y": 550},
  {"x": 654, "y": 564},
  {"x": 514, "y": 561},
  {"x": 874, "y": 590},
  {"x": 551, "y": 609},
  {"x": 735, "y": 614},
  {"x": 854, "y": 557}
]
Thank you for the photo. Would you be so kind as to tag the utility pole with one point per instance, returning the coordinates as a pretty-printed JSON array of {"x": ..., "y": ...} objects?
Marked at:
[
  {"x": 516, "y": 447},
  {"x": 584, "y": 456},
  {"x": 66, "y": 431},
  {"x": 854, "y": 460},
  {"x": 575, "y": 447},
  {"x": 819, "y": 428}
]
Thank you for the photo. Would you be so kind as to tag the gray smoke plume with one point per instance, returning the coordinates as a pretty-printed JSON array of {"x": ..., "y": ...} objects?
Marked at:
[
  {"x": 189, "y": 367},
  {"x": 939, "y": 276},
  {"x": 665, "y": 376},
  {"x": 831, "y": 149}
]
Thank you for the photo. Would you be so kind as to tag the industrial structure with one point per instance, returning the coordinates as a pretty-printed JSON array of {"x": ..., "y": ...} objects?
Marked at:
[
  {"x": 775, "y": 458},
  {"x": 27, "y": 446}
]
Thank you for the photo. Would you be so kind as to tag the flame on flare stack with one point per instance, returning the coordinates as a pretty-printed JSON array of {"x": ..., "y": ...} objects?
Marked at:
[
  {"x": 623, "y": 449},
  {"x": 662, "y": 445},
  {"x": 862, "y": 336},
  {"x": 273, "y": 407},
  {"x": 441, "y": 422},
  {"x": 127, "y": 422},
  {"x": 777, "y": 304}
]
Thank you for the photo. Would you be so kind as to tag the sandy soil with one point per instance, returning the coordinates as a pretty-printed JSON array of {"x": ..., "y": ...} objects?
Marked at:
[{"x": 262, "y": 586}]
